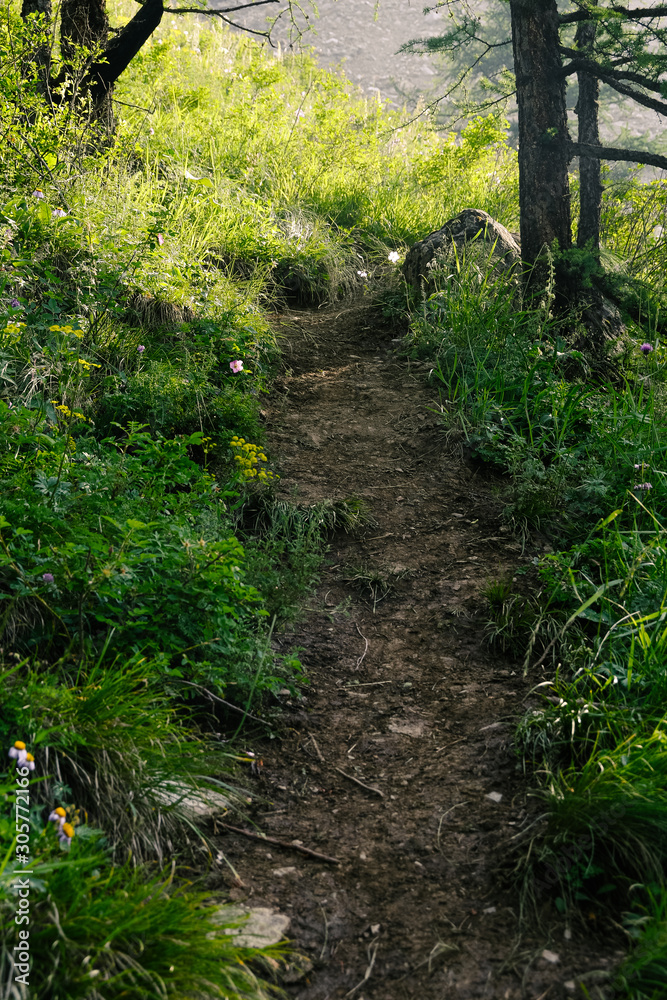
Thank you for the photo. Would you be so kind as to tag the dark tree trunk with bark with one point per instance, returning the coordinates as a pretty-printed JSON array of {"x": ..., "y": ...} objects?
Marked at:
[
  {"x": 587, "y": 110},
  {"x": 84, "y": 32},
  {"x": 544, "y": 191},
  {"x": 121, "y": 50},
  {"x": 41, "y": 58},
  {"x": 82, "y": 23}
]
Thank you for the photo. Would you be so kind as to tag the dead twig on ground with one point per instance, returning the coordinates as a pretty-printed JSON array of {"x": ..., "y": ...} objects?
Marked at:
[
  {"x": 326, "y": 933},
  {"x": 264, "y": 839},
  {"x": 442, "y": 819},
  {"x": 369, "y": 788},
  {"x": 372, "y": 952},
  {"x": 361, "y": 658},
  {"x": 317, "y": 749}
]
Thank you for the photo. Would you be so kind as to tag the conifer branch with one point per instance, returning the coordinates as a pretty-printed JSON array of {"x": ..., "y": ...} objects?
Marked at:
[
  {"x": 632, "y": 13},
  {"x": 614, "y": 153},
  {"x": 605, "y": 73}
]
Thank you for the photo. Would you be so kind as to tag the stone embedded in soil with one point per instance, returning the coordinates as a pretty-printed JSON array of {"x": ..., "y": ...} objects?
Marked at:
[
  {"x": 406, "y": 728},
  {"x": 261, "y": 927},
  {"x": 192, "y": 803}
]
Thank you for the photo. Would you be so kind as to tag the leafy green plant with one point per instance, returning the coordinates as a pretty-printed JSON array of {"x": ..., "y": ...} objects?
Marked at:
[{"x": 152, "y": 589}]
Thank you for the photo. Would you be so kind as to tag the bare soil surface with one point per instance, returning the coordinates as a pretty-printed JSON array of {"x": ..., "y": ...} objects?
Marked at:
[{"x": 398, "y": 761}]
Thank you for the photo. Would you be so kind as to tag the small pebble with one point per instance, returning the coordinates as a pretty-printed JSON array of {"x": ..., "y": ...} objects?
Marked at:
[
  {"x": 550, "y": 956},
  {"x": 495, "y": 796}
]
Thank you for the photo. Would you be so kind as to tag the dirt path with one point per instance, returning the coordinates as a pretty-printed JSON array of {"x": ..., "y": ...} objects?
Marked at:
[{"x": 403, "y": 698}]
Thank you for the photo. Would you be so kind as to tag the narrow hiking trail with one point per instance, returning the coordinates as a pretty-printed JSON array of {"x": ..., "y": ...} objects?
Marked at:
[{"x": 398, "y": 761}]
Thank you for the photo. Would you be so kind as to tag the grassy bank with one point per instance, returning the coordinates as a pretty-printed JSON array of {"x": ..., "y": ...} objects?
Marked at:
[{"x": 580, "y": 443}]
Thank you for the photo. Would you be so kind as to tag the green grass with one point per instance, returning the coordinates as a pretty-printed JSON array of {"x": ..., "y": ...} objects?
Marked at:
[
  {"x": 576, "y": 445},
  {"x": 142, "y": 571},
  {"x": 99, "y": 930},
  {"x": 138, "y": 784}
]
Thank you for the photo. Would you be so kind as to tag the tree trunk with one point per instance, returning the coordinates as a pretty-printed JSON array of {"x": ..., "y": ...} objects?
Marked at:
[
  {"x": 587, "y": 109},
  {"x": 40, "y": 60},
  {"x": 86, "y": 24},
  {"x": 84, "y": 32},
  {"x": 121, "y": 50},
  {"x": 544, "y": 192},
  {"x": 82, "y": 23}
]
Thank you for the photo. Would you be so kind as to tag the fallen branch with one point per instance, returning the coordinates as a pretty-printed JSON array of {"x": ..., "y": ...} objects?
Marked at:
[
  {"x": 369, "y": 788},
  {"x": 262, "y": 837}
]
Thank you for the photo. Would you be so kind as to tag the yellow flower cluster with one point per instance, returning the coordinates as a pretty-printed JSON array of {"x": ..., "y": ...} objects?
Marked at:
[
  {"x": 65, "y": 410},
  {"x": 248, "y": 457},
  {"x": 11, "y": 333},
  {"x": 66, "y": 329}
]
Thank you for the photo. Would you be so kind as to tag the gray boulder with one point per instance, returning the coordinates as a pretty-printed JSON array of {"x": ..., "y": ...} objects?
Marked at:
[{"x": 490, "y": 238}]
